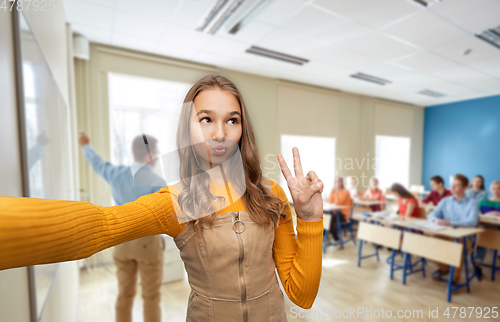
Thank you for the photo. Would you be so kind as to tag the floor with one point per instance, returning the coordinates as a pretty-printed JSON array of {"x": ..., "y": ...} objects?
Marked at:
[{"x": 344, "y": 286}]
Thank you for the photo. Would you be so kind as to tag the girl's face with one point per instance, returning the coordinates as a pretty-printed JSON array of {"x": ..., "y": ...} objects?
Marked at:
[
  {"x": 495, "y": 190},
  {"x": 374, "y": 184},
  {"x": 477, "y": 182},
  {"x": 340, "y": 183},
  {"x": 215, "y": 126}
]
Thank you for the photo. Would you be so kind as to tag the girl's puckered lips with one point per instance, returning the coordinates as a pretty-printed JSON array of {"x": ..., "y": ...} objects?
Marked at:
[{"x": 219, "y": 150}]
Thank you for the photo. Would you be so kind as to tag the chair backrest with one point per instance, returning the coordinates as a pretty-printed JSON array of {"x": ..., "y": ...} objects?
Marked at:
[
  {"x": 442, "y": 251},
  {"x": 490, "y": 238},
  {"x": 422, "y": 212},
  {"x": 379, "y": 235}
]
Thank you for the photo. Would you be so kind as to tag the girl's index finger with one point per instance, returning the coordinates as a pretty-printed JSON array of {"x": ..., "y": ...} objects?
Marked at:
[
  {"x": 284, "y": 168},
  {"x": 296, "y": 163}
]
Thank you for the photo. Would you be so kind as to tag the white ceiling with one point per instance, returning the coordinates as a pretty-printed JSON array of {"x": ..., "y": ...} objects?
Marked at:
[{"x": 414, "y": 47}]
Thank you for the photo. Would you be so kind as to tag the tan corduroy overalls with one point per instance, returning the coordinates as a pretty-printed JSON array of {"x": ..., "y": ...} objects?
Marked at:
[{"x": 232, "y": 271}]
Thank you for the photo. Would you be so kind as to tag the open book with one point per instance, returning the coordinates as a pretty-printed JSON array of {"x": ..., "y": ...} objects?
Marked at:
[
  {"x": 384, "y": 214},
  {"x": 424, "y": 224}
]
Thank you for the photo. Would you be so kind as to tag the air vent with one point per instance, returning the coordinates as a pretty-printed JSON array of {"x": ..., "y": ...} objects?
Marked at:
[
  {"x": 370, "y": 78},
  {"x": 430, "y": 93},
  {"x": 277, "y": 55},
  {"x": 491, "y": 36},
  {"x": 426, "y": 3},
  {"x": 233, "y": 14}
]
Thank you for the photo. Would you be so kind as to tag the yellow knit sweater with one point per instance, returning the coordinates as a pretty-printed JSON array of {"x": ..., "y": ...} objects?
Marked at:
[{"x": 40, "y": 231}]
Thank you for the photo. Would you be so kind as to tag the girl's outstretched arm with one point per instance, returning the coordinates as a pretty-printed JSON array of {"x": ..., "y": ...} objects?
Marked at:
[
  {"x": 41, "y": 231},
  {"x": 298, "y": 260}
]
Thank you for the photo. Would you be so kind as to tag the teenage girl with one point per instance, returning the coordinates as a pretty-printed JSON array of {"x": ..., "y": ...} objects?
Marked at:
[
  {"x": 231, "y": 236},
  {"x": 407, "y": 203},
  {"x": 373, "y": 193},
  {"x": 476, "y": 190}
]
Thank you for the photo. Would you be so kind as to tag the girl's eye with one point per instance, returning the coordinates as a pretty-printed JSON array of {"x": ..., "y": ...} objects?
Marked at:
[
  {"x": 234, "y": 121},
  {"x": 205, "y": 118}
]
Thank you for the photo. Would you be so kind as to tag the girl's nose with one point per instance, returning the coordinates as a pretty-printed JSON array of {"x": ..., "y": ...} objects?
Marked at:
[{"x": 219, "y": 132}]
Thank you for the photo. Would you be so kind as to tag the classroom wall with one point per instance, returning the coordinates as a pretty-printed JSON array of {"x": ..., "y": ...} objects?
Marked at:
[
  {"x": 14, "y": 296},
  {"x": 462, "y": 137}
]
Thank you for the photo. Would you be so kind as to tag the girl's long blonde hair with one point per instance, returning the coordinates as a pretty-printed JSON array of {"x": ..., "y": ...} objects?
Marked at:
[{"x": 195, "y": 197}]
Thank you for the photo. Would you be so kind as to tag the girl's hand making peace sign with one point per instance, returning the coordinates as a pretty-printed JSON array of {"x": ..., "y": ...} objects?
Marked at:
[{"x": 305, "y": 190}]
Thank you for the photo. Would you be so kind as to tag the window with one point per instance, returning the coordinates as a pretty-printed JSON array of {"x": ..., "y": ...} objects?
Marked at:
[
  {"x": 316, "y": 153},
  {"x": 141, "y": 105},
  {"x": 392, "y": 160}
]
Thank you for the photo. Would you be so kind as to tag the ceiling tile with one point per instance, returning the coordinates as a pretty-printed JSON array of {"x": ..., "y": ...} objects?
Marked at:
[
  {"x": 389, "y": 71},
  {"x": 131, "y": 42},
  {"x": 89, "y": 14},
  {"x": 380, "y": 46},
  {"x": 435, "y": 84},
  {"x": 190, "y": 13},
  {"x": 455, "y": 49},
  {"x": 425, "y": 61},
  {"x": 250, "y": 33},
  {"x": 139, "y": 26},
  {"x": 376, "y": 14},
  {"x": 170, "y": 50},
  {"x": 185, "y": 37},
  {"x": 346, "y": 58},
  {"x": 475, "y": 16},
  {"x": 278, "y": 11},
  {"x": 325, "y": 70},
  {"x": 257, "y": 60},
  {"x": 211, "y": 58},
  {"x": 106, "y": 3},
  {"x": 291, "y": 43},
  {"x": 425, "y": 30},
  {"x": 93, "y": 34},
  {"x": 225, "y": 47},
  {"x": 489, "y": 65},
  {"x": 156, "y": 9},
  {"x": 470, "y": 78},
  {"x": 322, "y": 25}
]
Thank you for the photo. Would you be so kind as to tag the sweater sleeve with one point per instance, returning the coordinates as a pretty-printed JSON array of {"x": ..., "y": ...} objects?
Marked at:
[
  {"x": 41, "y": 231},
  {"x": 298, "y": 260}
]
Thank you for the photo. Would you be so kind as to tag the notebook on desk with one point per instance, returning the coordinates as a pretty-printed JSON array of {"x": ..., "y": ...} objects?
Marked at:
[{"x": 424, "y": 224}]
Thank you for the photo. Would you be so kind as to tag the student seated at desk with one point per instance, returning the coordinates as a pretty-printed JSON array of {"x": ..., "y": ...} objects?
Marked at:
[
  {"x": 457, "y": 210},
  {"x": 353, "y": 189},
  {"x": 407, "y": 203},
  {"x": 339, "y": 196},
  {"x": 373, "y": 194},
  {"x": 438, "y": 191},
  {"x": 489, "y": 207},
  {"x": 476, "y": 189}
]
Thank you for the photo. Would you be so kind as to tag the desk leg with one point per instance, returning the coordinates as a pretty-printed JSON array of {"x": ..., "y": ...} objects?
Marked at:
[
  {"x": 405, "y": 267},
  {"x": 339, "y": 229},
  {"x": 392, "y": 263},
  {"x": 359, "y": 252},
  {"x": 450, "y": 282},
  {"x": 466, "y": 264},
  {"x": 494, "y": 265}
]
